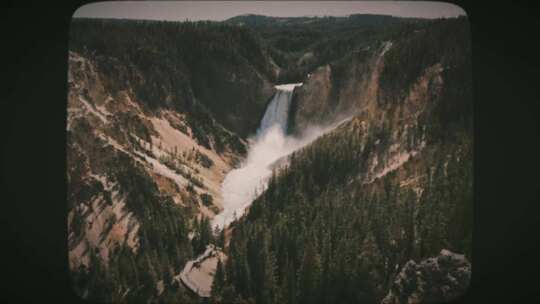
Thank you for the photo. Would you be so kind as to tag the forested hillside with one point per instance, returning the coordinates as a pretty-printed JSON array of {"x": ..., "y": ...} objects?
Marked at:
[
  {"x": 301, "y": 44},
  {"x": 378, "y": 210},
  {"x": 193, "y": 67},
  {"x": 388, "y": 188},
  {"x": 151, "y": 109}
]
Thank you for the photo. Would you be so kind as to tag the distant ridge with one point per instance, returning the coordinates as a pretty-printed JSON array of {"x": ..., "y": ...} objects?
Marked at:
[{"x": 358, "y": 19}]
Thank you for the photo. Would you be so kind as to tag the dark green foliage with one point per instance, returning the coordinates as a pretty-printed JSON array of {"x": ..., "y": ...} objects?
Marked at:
[
  {"x": 206, "y": 199},
  {"x": 309, "y": 275},
  {"x": 202, "y": 235},
  {"x": 219, "y": 282},
  {"x": 334, "y": 243},
  {"x": 202, "y": 125},
  {"x": 204, "y": 160},
  {"x": 317, "y": 234},
  {"x": 196, "y": 181},
  {"x": 327, "y": 39},
  {"x": 162, "y": 230},
  {"x": 190, "y": 188},
  {"x": 178, "y": 165},
  {"x": 322, "y": 235},
  {"x": 132, "y": 123},
  {"x": 441, "y": 41},
  {"x": 220, "y": 237},
  {"x": 186, "y": 66}
]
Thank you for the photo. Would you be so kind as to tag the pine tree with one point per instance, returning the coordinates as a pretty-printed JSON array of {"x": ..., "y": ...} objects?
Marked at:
[
  {"x": 309, "y": 276},
  {"x": 220, "y": 242},
  {"x": 219, "y": 281},
  {"x": 243, "y": 277},
  {"x": 269, "y": 288}
]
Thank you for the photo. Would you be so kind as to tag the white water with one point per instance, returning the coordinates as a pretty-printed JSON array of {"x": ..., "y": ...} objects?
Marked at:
[
  {"x": 277, "y": 111},
  {"x": 241, "y": 186}
]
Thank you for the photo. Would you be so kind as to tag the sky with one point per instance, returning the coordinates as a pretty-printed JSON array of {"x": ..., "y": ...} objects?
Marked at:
[{"x": 222, "y": 10}]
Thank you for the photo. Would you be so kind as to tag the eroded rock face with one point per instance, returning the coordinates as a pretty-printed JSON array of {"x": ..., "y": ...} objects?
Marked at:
[
  {"x": 312, "y": 98},
  {"x": 215, "y": 74},
  {"x": 392, "y": 185},
  {"x": 338, "y": 90},
  {"x": 136, "y": 178},
  {"x": 434, "y": 280}
]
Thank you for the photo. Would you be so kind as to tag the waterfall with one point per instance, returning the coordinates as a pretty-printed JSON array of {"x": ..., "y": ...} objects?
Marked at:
[
  {"x": 242, "y": 185},
  {"x": 271, "y": 142},
  {"x": 277, "y": 112}
]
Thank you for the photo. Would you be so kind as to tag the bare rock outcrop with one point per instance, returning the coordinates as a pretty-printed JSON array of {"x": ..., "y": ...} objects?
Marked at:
[{"x": 434, "y": 280}]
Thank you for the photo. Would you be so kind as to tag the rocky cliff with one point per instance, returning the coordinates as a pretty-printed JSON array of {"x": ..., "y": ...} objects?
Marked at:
[
  {"x": 378, "y": 77},
  {"x": 199, "y": 68},
  {"x": 137, "y": 179},
  {"x": 159, "y": 112},
  {"x": 390, "y": 185},
  {"x": 149, "y": 141},
  {"x": 437, "y": 279}
]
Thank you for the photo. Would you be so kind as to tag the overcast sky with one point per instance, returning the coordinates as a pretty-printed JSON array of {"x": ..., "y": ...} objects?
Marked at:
[{"x": 221, "y": 10}]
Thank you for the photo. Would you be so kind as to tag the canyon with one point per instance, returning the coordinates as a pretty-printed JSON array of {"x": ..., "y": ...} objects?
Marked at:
[{"x": 320, "y": 175}]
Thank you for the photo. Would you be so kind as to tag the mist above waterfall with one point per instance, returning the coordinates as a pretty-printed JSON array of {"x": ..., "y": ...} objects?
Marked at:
[{"x": 241, "y": 186}]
